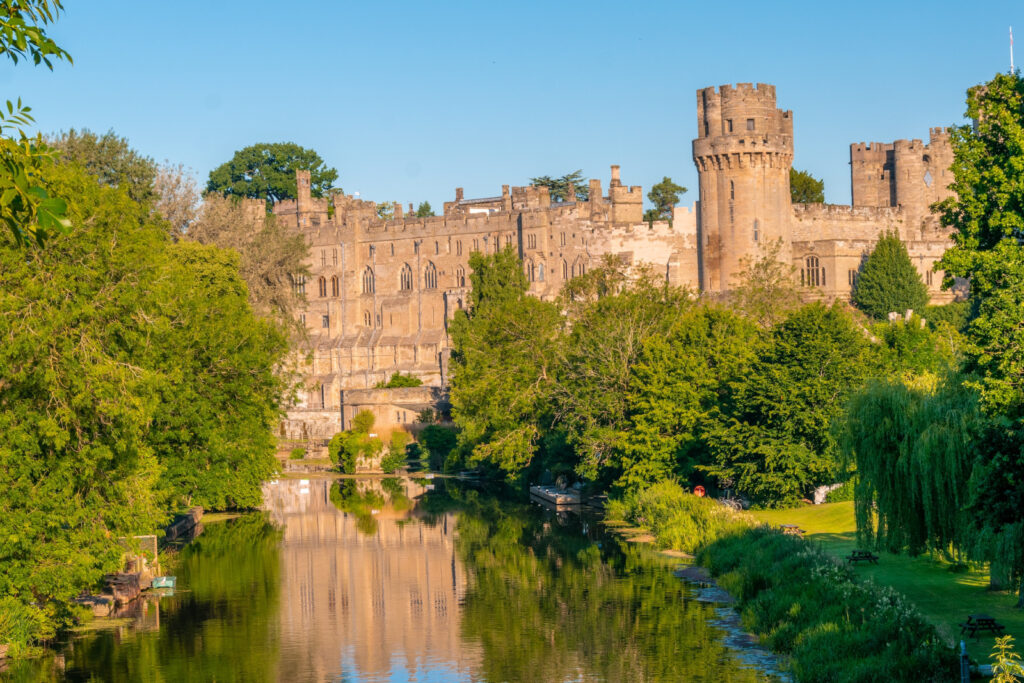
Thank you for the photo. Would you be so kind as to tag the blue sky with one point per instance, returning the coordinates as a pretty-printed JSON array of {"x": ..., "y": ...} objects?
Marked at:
[{"x": 410, "y": 100}]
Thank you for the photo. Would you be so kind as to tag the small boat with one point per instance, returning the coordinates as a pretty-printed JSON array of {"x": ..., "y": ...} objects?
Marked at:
[{"x": 164, "y": 581}]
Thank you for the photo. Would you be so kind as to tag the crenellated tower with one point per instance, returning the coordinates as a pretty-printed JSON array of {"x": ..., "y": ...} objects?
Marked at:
[{"x": 743, "y": 152}]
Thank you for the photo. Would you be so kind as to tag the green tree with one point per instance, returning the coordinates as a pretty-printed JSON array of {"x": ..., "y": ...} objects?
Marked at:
[
  {"x": 889, "y": 281},
  {"x": 559, "y": 187},
  {"x": 765, "y": 288},
  {"x": 502, "y": 365},
  {"x": 267, "y": 171},
  {"x": 805, "y": 188},
  {"x": 398, "y": 380},
  {"x": 110, "y": 159},
  {"x": 664, "y": 196},
  {"x": 424, "y": 210},
  {"x": 346, "y": 448}
]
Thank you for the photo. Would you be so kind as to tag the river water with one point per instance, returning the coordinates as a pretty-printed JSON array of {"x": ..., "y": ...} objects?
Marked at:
[{"x": 389, "y": 580}]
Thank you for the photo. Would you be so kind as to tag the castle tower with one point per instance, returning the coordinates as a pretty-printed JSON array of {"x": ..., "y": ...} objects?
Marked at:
[{"x": 743, "y": 153}]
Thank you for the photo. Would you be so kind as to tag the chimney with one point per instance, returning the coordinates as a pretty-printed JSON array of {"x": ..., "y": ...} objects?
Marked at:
[
  {"x": 411, "y": 210},
  {"x": 458, "y": 194},
  {"x": 595, "y": 190},
  {"x": 570, "y": 195},
  {"x": 615, "y": 176},
  {"x": 398, "y": 210}
]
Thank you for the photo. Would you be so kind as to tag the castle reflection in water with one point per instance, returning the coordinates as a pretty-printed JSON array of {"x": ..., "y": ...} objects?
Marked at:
[{"x": 367, "y": 604}]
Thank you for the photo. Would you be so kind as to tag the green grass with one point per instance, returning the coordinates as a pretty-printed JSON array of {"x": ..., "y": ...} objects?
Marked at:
[{"x": 944, "y": 597}]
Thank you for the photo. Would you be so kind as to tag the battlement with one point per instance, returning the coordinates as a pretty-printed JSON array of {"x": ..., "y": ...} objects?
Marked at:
[
  {"x": 835, "y": 211},
  {"x": 743, "y": 109}
]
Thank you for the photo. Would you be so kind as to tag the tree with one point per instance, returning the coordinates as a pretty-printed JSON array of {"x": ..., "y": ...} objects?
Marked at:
[
  {"x": 664, "y": 196},
  {"x": 559, "y": 187},
  {"x": 889, "y": 281},
  {"x": 177, "y": 197},
  {"x": 502, "y": 364},
  {"x": 805, "y": 188},
  {"x": 267, "y": 171},
  {"x": 347, "y": 447},
  {"x": 110, "y": 159},
  {"x": 424, "y": 210},
  {"x": 765, "y": 288},
  {"x": 271, "y": 256}
]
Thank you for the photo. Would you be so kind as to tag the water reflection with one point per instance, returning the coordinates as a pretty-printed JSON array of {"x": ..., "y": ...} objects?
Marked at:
[{"x": 388, "y": 580}]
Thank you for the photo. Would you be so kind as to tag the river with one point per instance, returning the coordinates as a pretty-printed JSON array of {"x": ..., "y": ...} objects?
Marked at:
[{"x": 388, "y": 580}]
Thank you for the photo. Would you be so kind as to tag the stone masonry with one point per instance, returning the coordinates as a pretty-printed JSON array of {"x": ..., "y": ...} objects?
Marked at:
[{"x": 382, "y": 292}]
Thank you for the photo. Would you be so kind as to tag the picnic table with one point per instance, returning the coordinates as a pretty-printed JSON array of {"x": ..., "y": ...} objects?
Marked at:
[
  {"x": 980, "y": 622},
  {"x": 791, "y": 530},
  {"x": 856, "y": 556}
]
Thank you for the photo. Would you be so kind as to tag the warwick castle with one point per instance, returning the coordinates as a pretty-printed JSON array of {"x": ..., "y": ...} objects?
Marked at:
[{"x": 382, "y": 292}]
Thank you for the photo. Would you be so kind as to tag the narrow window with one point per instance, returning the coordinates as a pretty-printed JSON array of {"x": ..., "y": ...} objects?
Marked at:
[
  {"x": 368, "y": 281},
  {"x": 405, "y": 280},
  {"x": 430, "y": 277},
  {"x": 706, "y": 132},
  {"x": 458, "y": 247},
  {"x": 323, "y": 257},
  {"x": 530, "y": 271},
  {"x": 460, "y": 277},
  {"x": 326, "y": 321},
  {"x": 732, "y": 190},
  {"x": 813, "y": 273},
  {"x": 562, "y": 239},
  {"x": 565, "y": 270},
  {"x": 540, "y": 272},
  {"x": 928, "y": 277},
  {"x": 757, "y": 230},
  {"x": 334, "y": 285},
  {"x": 728, "y": 125},
  {"x": 302, "y": 319},
  {"x": 437, "y": 247},
  {"x": 321, "y": 286},
  {"x": 334, "y": 256},
  {"x": 750, "y": 124},
  {"x": 366, "y": 318}
]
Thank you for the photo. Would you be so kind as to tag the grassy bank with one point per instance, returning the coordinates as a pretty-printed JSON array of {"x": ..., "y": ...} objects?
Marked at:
[
  {"x": 795, "y": 595},
  {"x": 943, "y": 596}
]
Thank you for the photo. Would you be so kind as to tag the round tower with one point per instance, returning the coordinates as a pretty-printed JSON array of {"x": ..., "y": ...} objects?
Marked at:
[{"x": 743, "y": 152}]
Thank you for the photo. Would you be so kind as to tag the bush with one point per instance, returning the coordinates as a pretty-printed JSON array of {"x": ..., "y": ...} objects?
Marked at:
[
  {"x": 439, "y": 442},
  {"x": 345, "y": 448},
  {"x": 807, "y": 605},
  {"x": 843, "y": 493},
  {"x": 298, "y": 453},
  {"x": 678, "y": 520},
  {"x": 398, "y": 381},
  {"x": 392, "y": 461}
]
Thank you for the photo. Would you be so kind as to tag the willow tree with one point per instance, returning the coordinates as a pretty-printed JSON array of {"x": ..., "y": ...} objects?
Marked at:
[{"x": 914, "y": 451}]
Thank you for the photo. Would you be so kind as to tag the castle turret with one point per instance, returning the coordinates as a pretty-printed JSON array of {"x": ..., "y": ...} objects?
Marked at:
[{"x": 743, "y": 153}]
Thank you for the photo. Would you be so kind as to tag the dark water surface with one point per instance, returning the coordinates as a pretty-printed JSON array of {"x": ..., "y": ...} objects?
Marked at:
[{"x": 411, "y": 580}]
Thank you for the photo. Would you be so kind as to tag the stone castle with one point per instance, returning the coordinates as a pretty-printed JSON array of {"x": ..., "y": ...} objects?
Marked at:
[{"x": 381, "y": 293}]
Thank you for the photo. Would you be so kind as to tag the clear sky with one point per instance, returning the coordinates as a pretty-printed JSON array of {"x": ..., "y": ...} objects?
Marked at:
[{"x": 410, "y": 100}]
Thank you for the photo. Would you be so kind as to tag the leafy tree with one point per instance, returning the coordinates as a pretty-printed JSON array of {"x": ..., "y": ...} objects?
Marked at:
[
  {"x": 502, "y": 364},
  {"x": 386, "y": 211},
  {"x": 398, "y": 380},
  {"x": 889, "y": 281},
  {"x": 559, "y": 187},
  {"x": 347, "y": 447},
  {"x": 177, "y": 198},
  {"x": 775, "y": 440},
  {"x": 664, "y": 196},
  {"x": 805, "y": 188},
  {"x": 26, "y": 208},
  {"x": 439, "y": 441},
  {"x": 765, "y": 288},
  {"x": 424, "y": 210},
  {"x": 271, "y": 255},
  {"x": 267, "y": 171},
  {"x": 110, "y": 159}
]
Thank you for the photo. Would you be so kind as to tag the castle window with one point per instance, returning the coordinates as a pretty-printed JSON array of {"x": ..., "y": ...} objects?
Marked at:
[
  {"x": 334, "y": 256},
  {"x": 430, "y": 276},
  {"x": 368, "y": 281},
  {"x": 732, "y": 190},
  {"x": 750, "y": 124},
  {"x": 757, "y": 230},
  {"x": 323, "y": 257},
  {"x": 437, "y": 247},
  {"x": 378, "y": 320},
  {"x": 415, "y": 247},
  {"x": 928, "y": 178},
  {"x": 562, "y": 239},
  {"x": 813, "y": 273},
  {"x": 565, "y": 270},
  {"x": 458, "y": 247},
  {"x": 476, "y": 244},
  {"x": 728, "y": 125},
  {"x": 531, "y": 241},
  {"x": 334, "y": 285},
  {"x": 316, "y": 221},
  {"x": 302, "y": 319},
  {"x": 706, "y": 132},
  {"x": 530, "y": 271},
  {"x": 298, "y": 284},
  {"x": 928, "y": 277},
  {"x": 851, "y": 276},
  {"x": 326, "y": 321},
  {"x": 321, "y": 286},
  {"x": 366, "y": 318},
  {"x": 405, "y": 279},
  {"x": 732, "y": 214},
  {"x": 392, "y": 249},
  {"x": 540, "y": 272},
  {"x": 460, "y": 277}
]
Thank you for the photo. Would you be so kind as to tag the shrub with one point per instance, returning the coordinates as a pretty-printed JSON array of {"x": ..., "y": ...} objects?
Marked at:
[
  {"x": 298, "y": 453},
  {"x": 843, "y": 493},
  {"x": 807, "y": 605},
  {"x": 398, "y": 380},
  {"x": 392, "y": 461},
  {"x": 439, "y": 442},
  {"x": 345, "y": 448}
]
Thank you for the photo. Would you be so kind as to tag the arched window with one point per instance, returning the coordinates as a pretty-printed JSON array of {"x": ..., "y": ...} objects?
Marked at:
[
  {"x": 366, "y": 318},
  {"x": 460, "y": 277},
  {"x": 298, "y": 284},
  {"x": 321, "y": 286},
  {"x": 757, "y": 230},
  {"x": 813, "y": 273},
  {"x": 458, "y": 247},
  {"x": 565, "y": 270},
  {"x": 430, "y": 276},
  {"x": 405, "y": 280},
  {"x": 334, "y": 285},
  {"x": 578, "y": 268},
  {"x": 540, "y": 272},
  {"x": 368, "y": 282},
  {"x": 531, "y": 271}
]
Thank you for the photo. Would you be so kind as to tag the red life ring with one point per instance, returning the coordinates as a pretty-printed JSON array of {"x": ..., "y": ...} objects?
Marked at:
[{"x": 699, "y": 491}]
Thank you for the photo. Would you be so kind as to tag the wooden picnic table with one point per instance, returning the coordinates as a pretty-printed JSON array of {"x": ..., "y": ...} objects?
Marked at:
[
  {"x": 791, "y": 530},
  {"x": 862, "y": 556},
  {"x": 980, "y": 622}
]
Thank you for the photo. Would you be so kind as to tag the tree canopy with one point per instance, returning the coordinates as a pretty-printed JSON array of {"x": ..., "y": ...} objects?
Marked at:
[
  {"x": 888, "y": 281},
  {"x": 424, "y": 210},
  {"x": 267, "y": 171},
  {"x": 805, "y": 188},
  {"x": 110, "y": 159},
  {"x": 664, "y": 195},
  {"x": 559, "y": 187}
]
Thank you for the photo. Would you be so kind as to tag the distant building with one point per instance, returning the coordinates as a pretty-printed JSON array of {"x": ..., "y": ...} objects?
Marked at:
[{"x": 381, "y": 293}]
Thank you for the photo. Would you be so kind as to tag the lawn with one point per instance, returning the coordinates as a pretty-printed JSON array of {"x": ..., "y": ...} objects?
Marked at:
[{"x": 946, "y": 598}]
